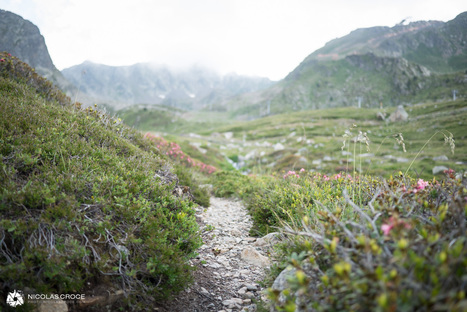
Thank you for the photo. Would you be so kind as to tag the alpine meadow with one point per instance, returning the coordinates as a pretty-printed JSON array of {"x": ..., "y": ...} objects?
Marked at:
[{"x": 341, "y": 187}]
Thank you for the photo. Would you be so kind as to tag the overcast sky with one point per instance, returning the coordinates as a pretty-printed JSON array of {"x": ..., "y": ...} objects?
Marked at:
[{"x": 252, "y": 37}]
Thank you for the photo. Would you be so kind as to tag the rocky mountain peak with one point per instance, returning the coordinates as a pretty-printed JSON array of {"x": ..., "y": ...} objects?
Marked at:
[{"x": 22, "y": 39}]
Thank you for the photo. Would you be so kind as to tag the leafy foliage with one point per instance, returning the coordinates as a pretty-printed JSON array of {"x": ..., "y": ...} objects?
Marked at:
[
  {"x": 85, "y": 199},
  {"x": 397, "y": 245}
]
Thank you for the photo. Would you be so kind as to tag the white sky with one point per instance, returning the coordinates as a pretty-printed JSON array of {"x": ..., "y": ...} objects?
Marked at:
[{"x": 251, "y": 37}]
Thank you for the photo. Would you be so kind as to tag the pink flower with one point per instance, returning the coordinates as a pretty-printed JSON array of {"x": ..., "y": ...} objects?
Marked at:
[
  {"x": 291, "y": 173},
  {"x": 420, "y": 185},
  {"x": 386, "y": 228},
  {"x": 302, "y": 170},
  {"x": 2, "y": 60},
  {"x": 449, "y": 171},
  {"x": 392, "y": 222}
]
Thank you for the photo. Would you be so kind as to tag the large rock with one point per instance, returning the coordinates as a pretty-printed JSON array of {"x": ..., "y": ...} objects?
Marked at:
[
  {"x": 399, "y": 115},
  {"x": 281, "y": 283},
  {"x": 441, "y": 158},
  {"x": 303, "y": 302},
  {"x": 268, "y": 240},
  {"x": 252, "y": 256},
  {"x": 438, "y": 169}
]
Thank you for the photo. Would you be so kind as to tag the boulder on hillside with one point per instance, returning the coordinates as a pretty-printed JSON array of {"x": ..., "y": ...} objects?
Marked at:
[
  {"x": 439, "y": 169},
  {"x": 399, "y": 115},
  {"x": 380, "y": 116}
]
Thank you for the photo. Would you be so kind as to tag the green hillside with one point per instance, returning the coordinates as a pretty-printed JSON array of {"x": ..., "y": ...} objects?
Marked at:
[
  {"x": 368, "y": 79},
  {"x": 436, "y": 45},
  {"x": 312, "y": 139},
  {"x": 86, "y": 202},
  {"x": 405, "y": 64}
]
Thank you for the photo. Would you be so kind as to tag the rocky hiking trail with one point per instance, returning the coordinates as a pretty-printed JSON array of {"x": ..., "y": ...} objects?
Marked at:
[{"x": 229, "y": 265}]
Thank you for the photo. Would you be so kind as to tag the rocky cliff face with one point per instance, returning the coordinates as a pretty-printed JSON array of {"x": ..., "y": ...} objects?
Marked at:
[{"x": 22, "y": 39}]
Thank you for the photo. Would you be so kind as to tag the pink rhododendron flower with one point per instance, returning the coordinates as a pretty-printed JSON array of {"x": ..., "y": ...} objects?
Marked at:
[
  {"x": 291, "y": 173},
  {"x": 386, "y": 228},
  {"x": 420, "y": 185},
  {"x": 393, "y": 222}
]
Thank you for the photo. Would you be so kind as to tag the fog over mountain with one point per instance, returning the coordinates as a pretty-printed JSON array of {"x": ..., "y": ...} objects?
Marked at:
[
  {"x": 193, "y": 88},
  {"x": 373, "y": 66}
]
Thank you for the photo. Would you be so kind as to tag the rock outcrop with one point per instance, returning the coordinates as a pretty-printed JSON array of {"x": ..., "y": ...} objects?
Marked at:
[
  {"x": 22, "y": 39},
  {"x": 399, "y": 115}
]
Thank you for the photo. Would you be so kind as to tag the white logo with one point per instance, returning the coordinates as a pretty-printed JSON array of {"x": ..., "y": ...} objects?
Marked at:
[{"x": 15, "y": 298}]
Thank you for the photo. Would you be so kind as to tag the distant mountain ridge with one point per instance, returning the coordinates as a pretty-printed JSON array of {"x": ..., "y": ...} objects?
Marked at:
[
  {"x": 375, "y": 66},
  {"x": 424, "y": 60},
  {"x": 22, "y": 39},
  {"x": 144, "y": 83},
  {"x": 439, "y": 46}
]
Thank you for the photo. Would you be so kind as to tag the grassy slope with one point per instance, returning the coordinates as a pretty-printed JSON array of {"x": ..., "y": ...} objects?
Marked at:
[
  {"x": 311, "y": 135},
  {"x": 315, "y": 134},
  {"x": 79, "y": 202}
]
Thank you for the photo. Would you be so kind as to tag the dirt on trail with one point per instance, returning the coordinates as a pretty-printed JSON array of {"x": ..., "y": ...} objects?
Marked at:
[{"x": 229, "y": 265}]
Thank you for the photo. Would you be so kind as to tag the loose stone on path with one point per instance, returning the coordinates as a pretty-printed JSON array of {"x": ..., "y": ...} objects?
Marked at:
[
  {"x": 229, "y": 265},
  {"x": 228, "y": 249}
]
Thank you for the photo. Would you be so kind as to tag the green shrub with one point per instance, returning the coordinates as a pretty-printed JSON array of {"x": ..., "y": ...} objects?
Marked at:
[
  {"x": 401, "y": 247},
  {"x": 85, "y": 199},
  {"x": 295, "y": 195},
  {"x": 234, "y": 184},
  {"x": 13, "y": 68},
  {"x": 186, "y": 178}
]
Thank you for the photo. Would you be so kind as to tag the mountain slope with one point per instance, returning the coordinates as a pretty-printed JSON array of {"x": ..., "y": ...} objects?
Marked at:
[
  {"x": 88, "y": 206},
  {"x": 193, "y": 88},
  {"x": 22, "y": 39},
  {"x": 441, "y": 47},
  {"x": 366, "y": 79},
  {"x": 370, "y": 67}
]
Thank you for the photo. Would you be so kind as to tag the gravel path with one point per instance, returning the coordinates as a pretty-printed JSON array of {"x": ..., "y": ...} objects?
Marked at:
[{"x": 229, "y": 265}]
